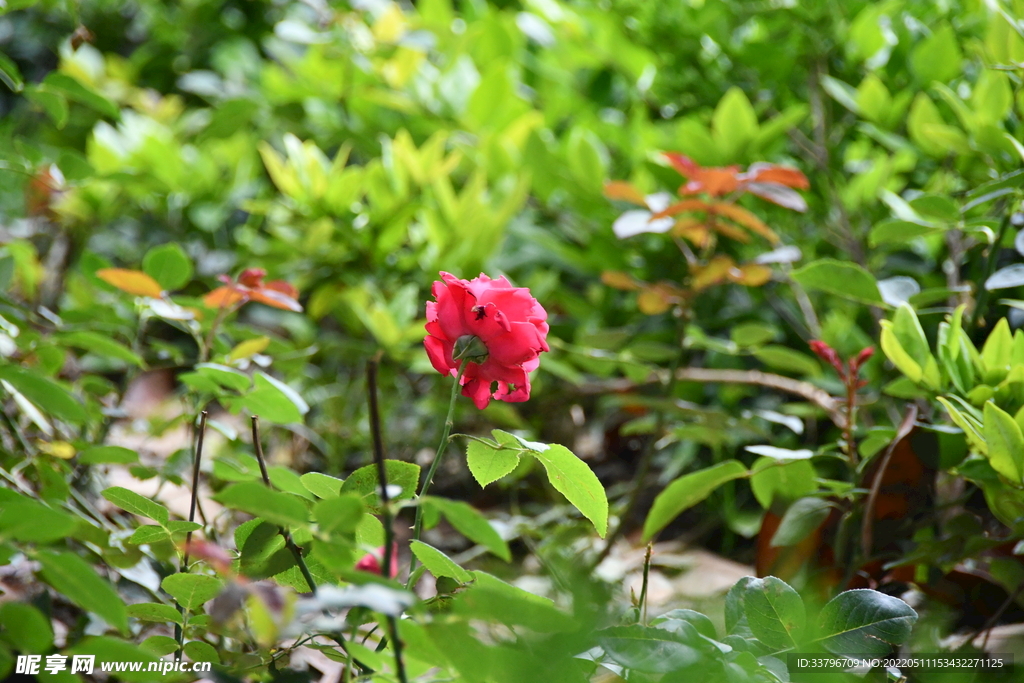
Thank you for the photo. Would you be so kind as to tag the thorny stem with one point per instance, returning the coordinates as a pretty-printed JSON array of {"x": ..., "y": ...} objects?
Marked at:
[
  {"x": 382, "y": 477},
  {"x": 179, "y": 633},
  {"x": 296, "y": 553},
  {"x": 643, "y": 588},
  {"x": 441, "y": 448}
]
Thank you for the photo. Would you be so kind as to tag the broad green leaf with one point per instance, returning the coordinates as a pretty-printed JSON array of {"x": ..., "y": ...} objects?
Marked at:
[
  {"x": 652, "y": 650},
  {"x": 191, "y": 591},
  {"x": 101, "y": 345},
  {"x": 577, "y": 482},
  {"x": 438, "y": 563},
  {"x": 734, "y": 122},
  {"x": 471, "y": 524},
  {"x": 10, "y": 74},
  {"x": 899, "y": 357},
  {"x": 992, "y": 96},
  {"x": 735, "y": 613},
  {"x": 937, "y": 57},
  {"x": 260, "y": 501},
  {"x": 1005, "y": 443},
  {"x": 866, "y": 622},
  {"x": 136, "y": 504},
  {"x": 75, "y": 91},
  {"x": 224, "y": 376},
  {"x": 198, "y": 651},
  {"x": 154, "y": 611},
  {"x": 169, "y": 265},
  {"x": 149, "y": 533},
  {"x": 101, "y": 455},
  {"x": 784, "y": 481},
  {"x": 701, "y": 622},
  {"x": 801, "y": 518},
  {"x": 275, "y": 401},
  {"x": 263, "y": 551},
  {"x": 997, "y": 352},
  {"x": 488, "y": 464},
  {"x": 159, "y": 645},
  {"x": 339, "y": 515},
  {"x": 775, "y": 612},
  {"x": 45, "y": 393},
  {"x": 783, "y": 358},
  {"x": 490, "y": 598},
  {"x": 365, "y": 482},
  {"x": 115, "y": 650},
  {"x": 25, "y": 628},
  {"x": 687, "y": 491},
  {"x": 70, "y": 575},
  {"x": 180, "y": 526},
  {"x": 322, "y": 485},
  {"x": 27, "y": 520},
  {"x": 841, "y": 278}
]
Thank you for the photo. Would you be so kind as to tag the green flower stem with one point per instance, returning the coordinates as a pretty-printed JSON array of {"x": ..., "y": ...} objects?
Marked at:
[{"x": 441, "y": 448}]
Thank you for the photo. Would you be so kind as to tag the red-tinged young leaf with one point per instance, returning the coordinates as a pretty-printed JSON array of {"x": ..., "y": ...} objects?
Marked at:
[
  {"x": 223, "y": 297},
  {"x": 829, "y": 355},
  {"x": 779, "y": 175},
  {"x": 131, "y": 281},
  {"x": 622, "y": 191},
  {"x": 270, "y": 297}
]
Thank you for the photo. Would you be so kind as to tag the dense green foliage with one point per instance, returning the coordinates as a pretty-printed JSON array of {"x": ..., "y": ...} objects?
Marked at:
[{"x": 851, "y": 177}]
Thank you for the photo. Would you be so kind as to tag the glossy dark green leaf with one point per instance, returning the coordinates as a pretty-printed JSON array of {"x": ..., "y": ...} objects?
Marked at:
[{"x": 865, "y": 622}]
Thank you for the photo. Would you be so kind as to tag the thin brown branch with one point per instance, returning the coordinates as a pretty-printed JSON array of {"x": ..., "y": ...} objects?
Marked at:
[{"x": 866, "y": 530}]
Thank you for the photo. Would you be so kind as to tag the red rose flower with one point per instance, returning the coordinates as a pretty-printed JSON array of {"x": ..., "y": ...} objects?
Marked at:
[{"x": 496, "y": 329}]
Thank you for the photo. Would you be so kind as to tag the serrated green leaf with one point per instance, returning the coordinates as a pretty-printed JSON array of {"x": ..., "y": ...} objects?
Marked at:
[
  {"x": 258, "y": 500},
  {"x": 438, "y": 563},
  {"x": 488, "y": 464},
  {"x": 154, "y": 611},
  {"x": 471, "y": 524},
  {"x": 322, "y": 485},
  {"x": 571, "y": 477},
  {"x": 191, "y": 591},
  {"x": 136, "y": 504}
]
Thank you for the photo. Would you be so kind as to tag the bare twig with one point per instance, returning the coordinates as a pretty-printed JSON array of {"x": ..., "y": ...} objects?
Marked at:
[
  {"x": 257, "y": 443},
  {"x": 818, "y": 397},
  {"x": 197, "y": 460},
  {"x": 382, "y": 477}
]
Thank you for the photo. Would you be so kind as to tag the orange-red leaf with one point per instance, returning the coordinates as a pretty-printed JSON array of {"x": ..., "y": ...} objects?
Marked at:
[
  {"x": 623, "y": 191},
  {"x": 746, "y": 219},
  {"x": 680, "y": 207},
  {"x": 713, "y": 181},
  {"x": 132, "y": 281},
  {"x": 223, "y": 297},
  {"x": 274, "y": 296},
  {"x": 781, "y": 175}
]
